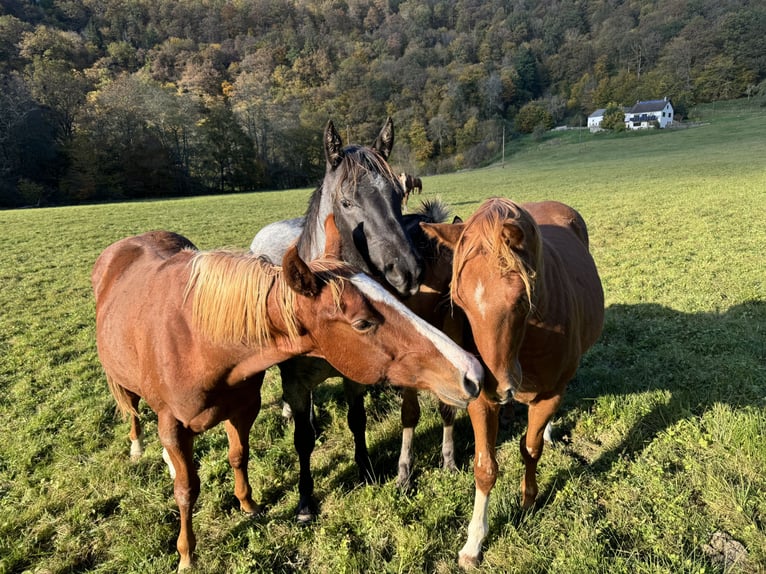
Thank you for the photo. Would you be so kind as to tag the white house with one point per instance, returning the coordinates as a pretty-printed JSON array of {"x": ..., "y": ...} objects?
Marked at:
[
  {"x": 594, "y": 120},
  {"x": 648, "y": 114}
]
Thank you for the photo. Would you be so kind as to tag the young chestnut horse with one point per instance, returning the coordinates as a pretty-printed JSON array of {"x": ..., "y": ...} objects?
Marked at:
[
  {"x": 192, "y": 333},
  {"x": 524, "y": 276}
]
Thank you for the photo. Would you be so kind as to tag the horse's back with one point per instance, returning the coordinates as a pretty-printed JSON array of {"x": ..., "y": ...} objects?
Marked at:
[
  {"x": 274, "y": 239},
  {"x": 121, "y": 255},
  {"x": 565, "y": 232},
  {"x": 559, "y": 214}
]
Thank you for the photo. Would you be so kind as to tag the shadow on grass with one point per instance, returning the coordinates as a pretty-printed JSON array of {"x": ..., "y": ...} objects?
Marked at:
[{"x": 699, "y": 360}]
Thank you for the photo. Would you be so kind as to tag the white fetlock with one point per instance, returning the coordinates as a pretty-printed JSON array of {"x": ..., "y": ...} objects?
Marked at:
[
  {"x": 136, "y": 449},
  {"x": 171, "y": 468},
  {"x": 469, "y": 556},
  {"x": 548, "y": 433}
]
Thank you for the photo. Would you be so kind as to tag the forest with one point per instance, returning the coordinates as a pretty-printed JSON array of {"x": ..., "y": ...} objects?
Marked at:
[{"x": 131, "y": 99}]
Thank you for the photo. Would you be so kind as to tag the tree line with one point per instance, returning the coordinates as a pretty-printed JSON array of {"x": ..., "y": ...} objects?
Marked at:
[{"x": 113, "y": 99}]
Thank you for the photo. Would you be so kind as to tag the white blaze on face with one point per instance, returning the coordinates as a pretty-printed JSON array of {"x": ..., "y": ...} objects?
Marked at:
[
  {"x": 463, "y": 361},
  {"x": 478, "y": 299}
]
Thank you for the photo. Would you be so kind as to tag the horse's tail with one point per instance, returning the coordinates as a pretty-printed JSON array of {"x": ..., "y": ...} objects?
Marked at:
[{"x": 120, "y": 394}]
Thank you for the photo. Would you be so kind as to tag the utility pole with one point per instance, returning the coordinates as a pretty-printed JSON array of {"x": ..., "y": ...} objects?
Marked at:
[{"x": 502, "y": 163}]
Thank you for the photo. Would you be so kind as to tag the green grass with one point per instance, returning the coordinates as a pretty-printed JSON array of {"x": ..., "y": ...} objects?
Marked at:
[{"x": 661, "y": 435}]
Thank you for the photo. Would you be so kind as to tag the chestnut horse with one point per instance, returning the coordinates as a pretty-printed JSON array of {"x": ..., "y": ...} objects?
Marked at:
[
  {"x": 524, "y": 277},
  {"x": 192, "y": 333}
]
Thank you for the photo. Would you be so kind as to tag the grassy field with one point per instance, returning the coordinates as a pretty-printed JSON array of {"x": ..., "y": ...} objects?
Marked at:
[{"x": 660, "y": 459}]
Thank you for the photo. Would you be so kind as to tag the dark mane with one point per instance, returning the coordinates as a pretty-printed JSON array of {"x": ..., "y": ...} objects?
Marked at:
[{"x": 357, "y": 160}]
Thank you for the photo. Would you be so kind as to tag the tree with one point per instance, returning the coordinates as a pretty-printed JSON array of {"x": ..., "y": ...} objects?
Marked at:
[
  {"x": 228, "y": 163},
  {"x": 614, "y": 118},
  {"x": 531, "y": 116}
]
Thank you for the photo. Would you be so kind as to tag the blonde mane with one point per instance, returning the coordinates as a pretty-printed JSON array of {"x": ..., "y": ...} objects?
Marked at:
[
  {"x": 484, "y": 230},
  {"x": 231, "y": 294}
]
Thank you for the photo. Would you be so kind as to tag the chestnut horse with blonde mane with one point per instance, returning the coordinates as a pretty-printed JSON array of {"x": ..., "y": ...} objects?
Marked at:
[
  {"x": 524, "y": 277},
  {"x": 193, "y": 332}
]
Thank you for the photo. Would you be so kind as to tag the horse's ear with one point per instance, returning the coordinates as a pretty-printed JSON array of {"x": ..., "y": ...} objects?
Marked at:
[
  {"x": 333, "y": 145},
  {"x": 512, "y": 234},
  {"x": 298, "y": 276},
  {"x": 332, "y": 245},
  {"x": 457, "y": 219},
  {"x": 384, "y": 143},
  {"x": 446, "y": 234}
]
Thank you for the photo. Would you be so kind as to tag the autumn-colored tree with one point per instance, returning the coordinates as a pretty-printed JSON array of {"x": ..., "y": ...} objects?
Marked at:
[
  {"x": 614, "y": 118},
  {"x": 533, "y": 115}
]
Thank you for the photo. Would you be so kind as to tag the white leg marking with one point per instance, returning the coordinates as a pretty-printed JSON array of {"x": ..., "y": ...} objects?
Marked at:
[
  {"x": 136, "y": 449},
  {"x": 547, "y": 433},
  {"x": 477, "y": 530},
  {"x": 171, "y": 468}
]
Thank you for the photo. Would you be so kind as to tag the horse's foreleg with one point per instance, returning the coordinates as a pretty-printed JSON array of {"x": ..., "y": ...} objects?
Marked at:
[
  {"x": 410, "y": 418},
  {"x": 357, "y": 423},
  {"x": 448, "y": 413},
  {"x": 299, "y": 398},
  {"x": 238, "y": 430},
  {"x": 540, "y": 414},
  {"x": 178, "y": 443},
  {"x": 136, "y": 432},
  {"x": 484, "y": 419}
]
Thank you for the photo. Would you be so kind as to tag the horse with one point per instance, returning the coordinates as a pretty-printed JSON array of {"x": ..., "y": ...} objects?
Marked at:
[
  {"x": 192, "y": 332},
  {"x": 524, "y": 276},
  {"x": 365, "y": 196},
  {"x": 410, "y": 184}
]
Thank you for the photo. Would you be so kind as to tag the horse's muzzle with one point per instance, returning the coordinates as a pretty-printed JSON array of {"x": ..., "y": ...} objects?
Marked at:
[{"x": 403, "y": 280}]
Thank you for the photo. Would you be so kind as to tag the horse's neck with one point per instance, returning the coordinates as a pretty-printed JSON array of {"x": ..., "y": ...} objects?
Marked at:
[{"x": 311, "y": 243}]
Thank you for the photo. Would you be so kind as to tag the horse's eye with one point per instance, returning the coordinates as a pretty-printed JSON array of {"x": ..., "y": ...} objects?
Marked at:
[
  {"x": 346, "y": 203},
  {"x": 363, "y": 325}
]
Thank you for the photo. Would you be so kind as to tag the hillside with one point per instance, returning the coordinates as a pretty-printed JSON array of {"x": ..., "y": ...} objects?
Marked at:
[{"x": 136, "y": 98}]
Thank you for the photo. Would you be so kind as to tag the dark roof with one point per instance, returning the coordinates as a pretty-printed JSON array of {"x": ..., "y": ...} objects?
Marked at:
[{"x": 648, "y": 106}]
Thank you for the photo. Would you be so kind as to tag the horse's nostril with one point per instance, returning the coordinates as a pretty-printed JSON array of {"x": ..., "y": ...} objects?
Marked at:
[{"x": 472, "y": 388}]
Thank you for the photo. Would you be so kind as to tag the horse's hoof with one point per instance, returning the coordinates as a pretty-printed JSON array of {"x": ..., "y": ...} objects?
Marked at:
[
  {"x": 404, "y": 483},
  {"x": 468, "y": 562},
  {"x": 305, "y": 517},
  {"x": 306, "y": 513},
  {"x": 252, "y": 510},
  {"x": 527, "y": 502},
  {"x": 450, "y": 466}
]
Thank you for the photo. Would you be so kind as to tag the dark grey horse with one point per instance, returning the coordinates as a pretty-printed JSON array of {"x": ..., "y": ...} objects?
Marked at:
[{"x": 365, "y": 196}]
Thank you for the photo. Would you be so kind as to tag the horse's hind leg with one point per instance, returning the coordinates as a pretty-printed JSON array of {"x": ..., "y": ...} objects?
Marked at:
[
  {"x": 238, "y": 430},
  {"x": 448, "y": 413},
  {"x": 357, "y": 423},
  {"x": 136, "y": 432},
  {"x": 539, "y": 415},
  {"x": 410, "y": 418},
  {"x": 178, "y": 443}
]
